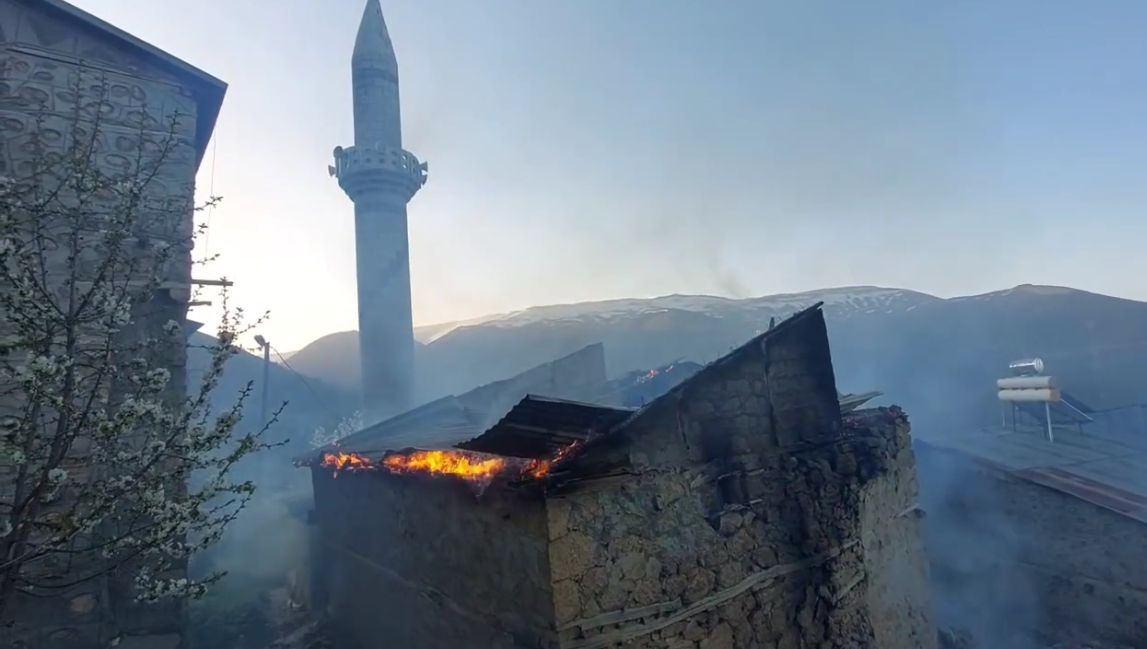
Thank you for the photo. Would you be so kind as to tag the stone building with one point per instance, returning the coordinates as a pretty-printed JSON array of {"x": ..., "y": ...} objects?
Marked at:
[
  {"x": 59, "y": 64},
  {"x": 739, "y": 509}
]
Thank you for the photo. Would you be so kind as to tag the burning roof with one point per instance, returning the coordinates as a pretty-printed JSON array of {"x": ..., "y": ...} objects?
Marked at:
[
  {"x": 639, "y": 387},
  {"x": 478, "y": 470},
  {"x": 472, "y": 467},
  {"x": 537, "y": 434},
  {"x": 540, "y": 427},
  {"x": 451, "y": 420},
  {"x": 528, "y": 443}
]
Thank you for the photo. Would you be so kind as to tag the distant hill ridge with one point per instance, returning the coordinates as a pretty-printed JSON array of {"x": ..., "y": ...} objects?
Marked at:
[
  {"x": 843, "y": 300},
  {"x": 921, "y": 350}
]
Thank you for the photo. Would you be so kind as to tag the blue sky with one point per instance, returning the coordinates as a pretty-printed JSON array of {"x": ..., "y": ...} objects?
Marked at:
[{"x": 593, "y": 149}]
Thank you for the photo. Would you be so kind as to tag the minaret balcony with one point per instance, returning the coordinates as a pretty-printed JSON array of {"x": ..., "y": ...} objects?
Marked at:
[{"x": 378, "y": 168}]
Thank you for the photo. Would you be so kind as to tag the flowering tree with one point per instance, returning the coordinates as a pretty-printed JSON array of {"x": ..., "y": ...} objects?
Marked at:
[
  {"x": 109, "y": 463},
  {"x": 322, "y": 436}
]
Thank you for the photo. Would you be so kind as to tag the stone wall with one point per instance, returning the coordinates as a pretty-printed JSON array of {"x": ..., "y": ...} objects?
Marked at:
[
  {"x": 1019, "y": 564},
  {"x": 408, "y": 561},
  {"x": 738, "y": 510},
  {"x": 746, "y": 516},
  {"x": 899, "y": 599},
  {"x": 49, "y": 65}
]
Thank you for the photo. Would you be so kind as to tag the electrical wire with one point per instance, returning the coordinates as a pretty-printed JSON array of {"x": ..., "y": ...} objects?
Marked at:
[
  {"x": 307, "y": 383},
  {"x": 211, "y": 193}
]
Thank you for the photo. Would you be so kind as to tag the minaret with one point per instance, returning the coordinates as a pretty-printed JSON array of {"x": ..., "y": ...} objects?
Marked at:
[{"x": 380, "y": 177}]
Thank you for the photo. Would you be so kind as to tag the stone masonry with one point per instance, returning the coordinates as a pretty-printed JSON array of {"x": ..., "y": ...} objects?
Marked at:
[
  {"x": 751, "y": 516},
  {"x": 737, "y": 510}
]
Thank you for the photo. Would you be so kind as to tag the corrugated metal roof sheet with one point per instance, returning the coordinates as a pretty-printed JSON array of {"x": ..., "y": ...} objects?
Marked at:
[
  {"x": 850, "y": 402},
  {"x": 448, "y": 421},
  {"x": 1125, "y": 502},
  {"x": 1103, "y": 471},
  {"x": 440, "y": 424},
  {"x": 539, "y": 427}
]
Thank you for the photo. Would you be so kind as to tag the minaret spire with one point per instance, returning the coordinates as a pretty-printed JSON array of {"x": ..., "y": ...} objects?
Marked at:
[
  {"x": 380, "y": 177},
  {"x": 372, "y": 46},
  {"x": 374, "y": 75}
]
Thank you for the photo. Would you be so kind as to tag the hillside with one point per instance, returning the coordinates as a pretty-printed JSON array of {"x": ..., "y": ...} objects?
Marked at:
[
  {"x": 311, "y": 402},
  {"x": 334, "y": 357},
  {"x": 937, "y": 357}
]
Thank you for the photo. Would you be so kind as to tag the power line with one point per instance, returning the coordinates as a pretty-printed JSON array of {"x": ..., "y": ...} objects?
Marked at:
[
  {"x": 211, "y": 194},
  {"x": 307, "y": 383}
]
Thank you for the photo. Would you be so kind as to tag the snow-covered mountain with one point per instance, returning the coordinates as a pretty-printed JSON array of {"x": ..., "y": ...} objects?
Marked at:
[
  {"x": 928, "y": 354},
  {"x": 841, "y": 303}
]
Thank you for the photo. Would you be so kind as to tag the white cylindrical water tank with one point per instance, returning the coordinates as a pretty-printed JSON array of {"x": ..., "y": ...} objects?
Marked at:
[
  {"x": 1025, "y": 382},
  {"x": 1037, "y": 394}
]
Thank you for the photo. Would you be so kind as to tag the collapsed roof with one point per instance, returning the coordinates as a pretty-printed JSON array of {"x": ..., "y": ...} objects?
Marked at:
[
  {"x": 540, "y": 427},
  {"x": 547, "y": 429},
  {"x": 451, "y": 420}
]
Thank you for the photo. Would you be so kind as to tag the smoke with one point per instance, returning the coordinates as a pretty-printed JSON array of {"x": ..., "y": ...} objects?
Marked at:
[
  {"x": 938, "y": 360},
  {"x": 727, "y": 281},
  {"x": 264, "y": 551},
  {"x": 975, "y": 551},
  {"x": 1010, "y": 560}
]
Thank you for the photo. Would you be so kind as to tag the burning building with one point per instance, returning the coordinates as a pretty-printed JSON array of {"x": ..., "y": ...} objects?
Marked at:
[{"x": 739, "y": 509}]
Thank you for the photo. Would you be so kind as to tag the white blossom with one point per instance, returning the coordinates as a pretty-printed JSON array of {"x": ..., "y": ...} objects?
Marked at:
[
  {"x": 65, "y": 304},
  {"x": 346, "y": 426},
  {"x": 173, "y": 329},
  {"x": 157, "y": 378}
]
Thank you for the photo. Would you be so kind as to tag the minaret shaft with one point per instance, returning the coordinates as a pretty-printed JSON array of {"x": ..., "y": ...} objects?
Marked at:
[
  {"x": 385, "y": 325},
  {"x": 376, "y": 114},
  {"x": 380, "y": 177}
]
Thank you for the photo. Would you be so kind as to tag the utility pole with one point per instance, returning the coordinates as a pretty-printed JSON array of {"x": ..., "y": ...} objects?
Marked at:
[{"x": 266, "y": 346}]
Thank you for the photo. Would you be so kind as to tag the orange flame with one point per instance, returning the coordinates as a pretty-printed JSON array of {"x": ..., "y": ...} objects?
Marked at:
[
  {"x": 654, "y": 373},
  {"x": 472, "y": 467},
  {"x": 346, "y": 462},
  {"x": 541, "y": 468},
  {"x": 456, "y": 463}
]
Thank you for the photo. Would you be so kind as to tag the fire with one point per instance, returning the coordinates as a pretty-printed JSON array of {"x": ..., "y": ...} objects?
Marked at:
[
  {"x": 541, "y": 468},
  {"x": 346, "y": 462},
  {"x": 456, "y": 463},
  {"x": 471, "y": 467},
  {"x": 654, "y": 373}
]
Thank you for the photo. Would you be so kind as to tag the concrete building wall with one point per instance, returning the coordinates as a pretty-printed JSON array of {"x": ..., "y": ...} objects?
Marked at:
[
  {"x": 421, "y": 562},
  {"x": 1015, "y": 563}
]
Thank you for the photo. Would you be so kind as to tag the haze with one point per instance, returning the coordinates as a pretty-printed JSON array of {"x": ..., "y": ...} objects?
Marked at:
[{"x": 596, "y": 149}]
